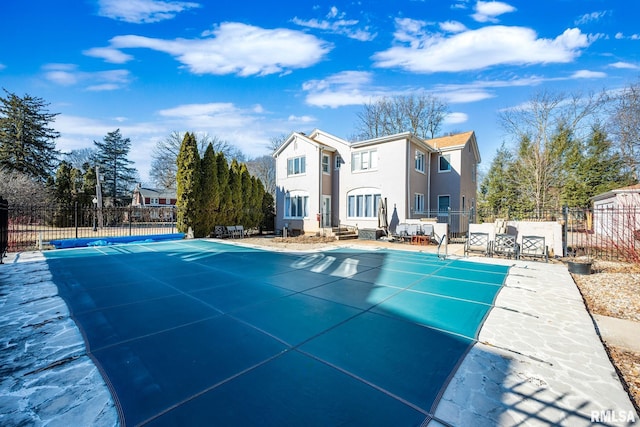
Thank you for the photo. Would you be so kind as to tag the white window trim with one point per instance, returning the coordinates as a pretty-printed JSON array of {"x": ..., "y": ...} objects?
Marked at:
[
  {"x": 328, "y": 164},
  {"x": 415, "y": 161},
  {"x": 293, "y": 159},
  {"x": 448, "y": 160},
  {"x": 370, "y": 168}
]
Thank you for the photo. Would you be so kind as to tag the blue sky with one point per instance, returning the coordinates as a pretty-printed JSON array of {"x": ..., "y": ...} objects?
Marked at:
[{"x": 250, "y": 71}]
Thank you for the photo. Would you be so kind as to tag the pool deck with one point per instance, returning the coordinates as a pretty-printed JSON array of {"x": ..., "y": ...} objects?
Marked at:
[{"x": 539, "y": 360}]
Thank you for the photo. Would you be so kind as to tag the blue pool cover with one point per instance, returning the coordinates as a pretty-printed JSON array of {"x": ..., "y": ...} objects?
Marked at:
[
  {"x": 107, "y": 241},
  {"x": 204, "y": 333}
]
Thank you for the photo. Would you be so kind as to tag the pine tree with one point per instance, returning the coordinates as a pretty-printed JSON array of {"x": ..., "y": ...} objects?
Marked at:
[
  {"x": 210, "y": 196},
  {"x": 111, "y": 155},
  {"x": 497, "y": 188},
  {"x": 188, "y": 177},
  {"x": 27, "y": 143}
]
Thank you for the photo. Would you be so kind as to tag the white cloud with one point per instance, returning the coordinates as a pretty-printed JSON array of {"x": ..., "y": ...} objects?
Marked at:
[
  {"x": 486, "y": 11},
  {"x": 422, "y": 52},
  {"x": 336, "y": 24},
  {"x": 619, "y": 36},
  {"x": 236, "y": 48},
  {"x": 142, "y": 11},
  {"x": 625, "y": 65},
  {"x": 341, "y": 89},
  {"x": 301, "y": 119},
  {"x": 586, "y": 74},
  {"x": 591, "y": 17},
  {"x": 109, "y": 54},
  {"x": 69, "y": 75},
  {"x": 456, "y": 118},
  {"x": 452, "y": 27}
]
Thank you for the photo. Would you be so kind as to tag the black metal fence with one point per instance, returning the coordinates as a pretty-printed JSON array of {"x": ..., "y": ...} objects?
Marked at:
[
  {"x": 608, "y": 234},
  {"x": 33, "y": 227}
]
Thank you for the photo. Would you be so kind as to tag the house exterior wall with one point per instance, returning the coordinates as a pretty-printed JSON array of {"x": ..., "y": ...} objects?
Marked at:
[
  {"x": 393, "y": 178},
  {"x": 389, "y": 180},
  {"x": 446, "y": 183},
  {"x": 468, "y": 178},
  {"x": 307, "y": 183}
]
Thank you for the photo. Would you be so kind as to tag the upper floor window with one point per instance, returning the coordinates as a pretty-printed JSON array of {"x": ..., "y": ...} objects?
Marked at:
[
  {"x": 473, "y": 173},
  {"x": 338, "y": 161},
  {"x": 444, "y": 163},
  {"x": 364, "y": 160},
  {"x": 419, "y": 161},
  {"x": 296, "y": 166},
  {"x": 325, "y": 163},
  {"x": 154, "y": 200}
]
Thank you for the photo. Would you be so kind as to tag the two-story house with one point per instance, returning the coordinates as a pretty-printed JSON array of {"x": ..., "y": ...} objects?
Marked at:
[
  {"x": 324, "y": 181},
  {"x": 156, "y": 204}
]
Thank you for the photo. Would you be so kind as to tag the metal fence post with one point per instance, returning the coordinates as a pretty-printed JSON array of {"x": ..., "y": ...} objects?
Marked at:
[
  {"x": 130, "y": 213},
  {"x": 4, "y": 228}
]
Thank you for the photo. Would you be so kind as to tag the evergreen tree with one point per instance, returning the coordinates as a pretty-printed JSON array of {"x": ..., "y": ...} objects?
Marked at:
[
  {"x": 27, "y": 143},
  {"x": 497, "y": 190},
  {"x": 235, "y": 208},
  {"x": 188, "y": 177},
  {"x": 225, "y": 206},
  {"x": 256, "y": 202},
  {"x": 592, "y": 168},
  {"x": 247, "y": 196},
  {"x": 111, "y": 155},
  {"x": 210, "y": 196},
  {"x": 268, "y": 212}
]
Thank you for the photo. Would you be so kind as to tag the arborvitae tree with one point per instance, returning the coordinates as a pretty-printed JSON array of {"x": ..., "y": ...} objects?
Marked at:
[
  {"x": 256, "y": 202},
  {"x": 67, "y": 189},
  {"x": 188, "y": 178},
  {"x": 224, "y": 208},
  {"x": 235, "y": 187},
  {"x": 210, "y": 195},
  {"x": 246, "y": 189},
  {"x": 27, "y": 143},
  {"x": 268, "y": 212},
  {"x": 111, "y": 155}
]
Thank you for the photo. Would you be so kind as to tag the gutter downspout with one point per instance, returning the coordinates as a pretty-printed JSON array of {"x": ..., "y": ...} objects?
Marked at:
[
  {"x": 320, "y": 189},
  {"x": 408, "y": 173}
]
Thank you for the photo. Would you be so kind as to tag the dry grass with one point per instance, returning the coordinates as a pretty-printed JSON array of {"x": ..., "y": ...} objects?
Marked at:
[{"x": 613, "y": 290}]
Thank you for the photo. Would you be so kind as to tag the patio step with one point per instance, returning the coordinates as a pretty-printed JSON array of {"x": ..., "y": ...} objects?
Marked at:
[{"x": 343, "y": 233}]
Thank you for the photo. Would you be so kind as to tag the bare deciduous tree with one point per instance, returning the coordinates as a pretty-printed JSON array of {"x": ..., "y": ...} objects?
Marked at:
[
  {"x": 421, "y": 115},
  {"x": 165, "y": 153},
  {"x": 541, "y": 128},
  {"x": 625, "y": 126}
]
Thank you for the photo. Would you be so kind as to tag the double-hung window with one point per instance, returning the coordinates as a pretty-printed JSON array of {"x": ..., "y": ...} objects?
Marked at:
[
  {"x": 364, "y": 160},
  {"x": 419, "y": 161},
  {"x": 296, "y": 166},
  {"x": 325, "y": 164}
]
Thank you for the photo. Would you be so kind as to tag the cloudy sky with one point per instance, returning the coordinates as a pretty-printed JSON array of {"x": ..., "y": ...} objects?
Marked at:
[{"x": 250, "y": 71}]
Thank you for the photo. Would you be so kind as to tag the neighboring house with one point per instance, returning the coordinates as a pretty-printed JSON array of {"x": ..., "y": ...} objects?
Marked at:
[
  {"x": 617, "y": 212},
  {"x": 324, "y": 181},
  {"x": 158, "y": 203}
]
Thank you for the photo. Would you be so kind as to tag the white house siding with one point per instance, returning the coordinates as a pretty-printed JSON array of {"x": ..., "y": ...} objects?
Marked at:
[
  {"x": 390, "y": 178},
  {"x": 308, "y": 183},
  {"x": 468, "y": 184}
]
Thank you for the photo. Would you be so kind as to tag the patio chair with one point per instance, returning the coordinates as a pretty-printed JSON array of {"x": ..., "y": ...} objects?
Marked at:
[
  {"x": 240, "y": 231},
  {"x": 424, "y": 235},
  {"x": 535, "y": 247},
  {"x": 478, "y": 242},
  {"x": 220, "y": 232},
  {"x": 505, "y": 245},
  {"x": 402, "y": 232}
]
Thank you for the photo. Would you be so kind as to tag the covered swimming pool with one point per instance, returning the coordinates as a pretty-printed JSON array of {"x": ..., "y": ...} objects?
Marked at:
[{"x": 198, "y": 332}]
